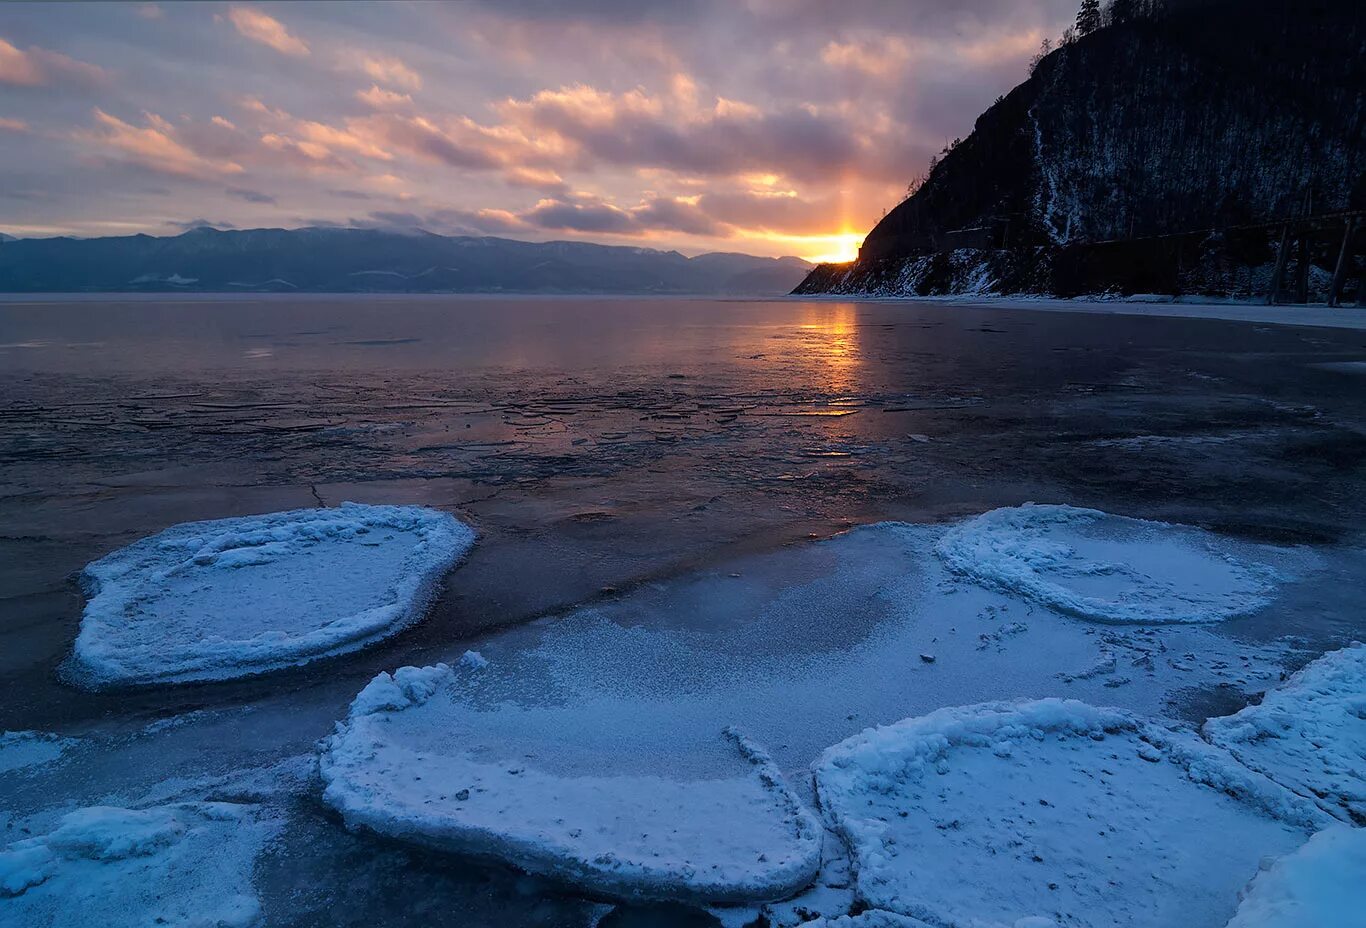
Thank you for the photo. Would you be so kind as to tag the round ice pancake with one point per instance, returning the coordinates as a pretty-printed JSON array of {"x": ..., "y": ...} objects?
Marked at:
[
  {"x": 228, "y": 598},
  {"x": 1109, "y": 568},
  {"x": 415, "y": 761},
  {"x": 1053, "y": 809}
]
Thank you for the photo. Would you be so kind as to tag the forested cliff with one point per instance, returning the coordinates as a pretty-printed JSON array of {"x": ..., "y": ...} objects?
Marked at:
[{"x": 1165, "y": 118}]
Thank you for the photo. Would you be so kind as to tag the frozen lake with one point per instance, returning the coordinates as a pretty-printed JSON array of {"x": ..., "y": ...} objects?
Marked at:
[{"x": 640, "y": 472}]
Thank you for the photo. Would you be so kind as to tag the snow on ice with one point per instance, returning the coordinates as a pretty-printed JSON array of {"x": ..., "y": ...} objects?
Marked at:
[
  {"x": 1053, "y": 809},
  {"x": 185, "y": 864},
  {"x": 873, "y": 918},
  {"x": 541, "y": 748},
  {"x": 410, "y": 762},
  {"x": 1309, "y": 735},
  {"x": 1321, "y": 884},
  {"x": 24, "y": 750},
  {"x": 228, "y": 598},
  {"x": 1108, "y": 568}
]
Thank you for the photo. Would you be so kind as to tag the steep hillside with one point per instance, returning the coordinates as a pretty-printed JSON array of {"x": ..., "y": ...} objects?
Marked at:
[
  {"x": 1204, "y": 114},
  {"x": 369, "y": 260}
]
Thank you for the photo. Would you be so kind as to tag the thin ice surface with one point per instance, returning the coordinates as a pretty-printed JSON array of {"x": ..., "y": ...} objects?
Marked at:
[
  {"x": 184, "y": 864},
  {"x": 25, "y": 750},
  {"x": 410, "y": 763},
  {"x": 1053, "y": 809},
  {"x": 1108, "y": 568},
  {"x": 221, "y": 599},
  {"x": 1310, "y": 734},
  {"x": 1318, "y": 885}
]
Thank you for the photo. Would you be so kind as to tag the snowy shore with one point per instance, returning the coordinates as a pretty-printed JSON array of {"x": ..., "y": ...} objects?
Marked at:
[{"x": 1155, "y": 305}]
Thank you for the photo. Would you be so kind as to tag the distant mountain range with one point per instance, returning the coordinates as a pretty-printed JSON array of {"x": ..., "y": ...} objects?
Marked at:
[{"x": 375, "y": 261}]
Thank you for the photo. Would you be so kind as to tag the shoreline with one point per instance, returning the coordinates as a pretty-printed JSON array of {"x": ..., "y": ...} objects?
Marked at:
[{"x": 1314, "y": 315}]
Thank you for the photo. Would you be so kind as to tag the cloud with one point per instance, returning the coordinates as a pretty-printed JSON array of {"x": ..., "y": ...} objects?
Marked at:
[
  {"x": 381, "y": 99},
  {"x": 35, "y": 67},
  {"x": 454, "y": 146},
  {"x": 266, "y": 29},
  {"x": 635, "y": 129},
  {"x": 391, "y": 71},
  {"x": 150, "y": 11},
  {"x": 448, "y": 221},
  {"x": 155, "y": 146},
  {"x": 192, "y": 224},
  {"x": 251, "y": 196},
  {"x": 880, "y": 57},
  {"x": 13, "y": 125}
]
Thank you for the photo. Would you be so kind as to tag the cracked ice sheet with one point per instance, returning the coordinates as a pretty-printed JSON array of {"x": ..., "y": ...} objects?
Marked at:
[
  {"x": 409, "y": 763},
  {"x": 812, "y": 643},
  {"x": 233, "y": 597},
  {"x": 1309, "y": 734},
  {"x": 181, "y": 864},
  {"x": 801, "y": 648},
  {"x": 27, "y": 750},
  {"x": 1053, "y": 809},
  {"x": 1319, "y": 884}
]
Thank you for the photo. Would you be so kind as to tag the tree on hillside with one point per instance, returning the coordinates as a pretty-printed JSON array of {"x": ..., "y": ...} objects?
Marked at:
[
  {"x": 1122, "y": 11},
  {"x": 1088, "y": 17}
]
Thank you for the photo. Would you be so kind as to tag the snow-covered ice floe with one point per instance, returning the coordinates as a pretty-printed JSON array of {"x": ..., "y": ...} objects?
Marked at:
[
  {"x": 25, "y": 750},
  {"x": 873, "y": 918},
  {"x": 1053, "y": 809},
  {"x": 1108, "y": 568},
  {"x": 185, "y": 864},
  {"x": 1309, "y": 735},
  {"x": 233, "y": 597},
  {"x": 409, "y": 764},
  {"x": 1321, "y": 884}
]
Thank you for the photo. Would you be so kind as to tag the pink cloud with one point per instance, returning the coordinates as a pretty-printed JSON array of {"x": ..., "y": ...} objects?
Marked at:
[
  {"x": 391, "y": 71},
  {"x": 34, "y": 66},
  {"x": 266, "y": 29},
  {"x": 379, "y": 98},
  {"x": 154, "y": 146},
  {"x": 13, "y": 125}
]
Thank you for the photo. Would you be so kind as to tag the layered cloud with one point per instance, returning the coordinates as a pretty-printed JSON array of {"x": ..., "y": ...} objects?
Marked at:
[{"x": 767, "y": 125}]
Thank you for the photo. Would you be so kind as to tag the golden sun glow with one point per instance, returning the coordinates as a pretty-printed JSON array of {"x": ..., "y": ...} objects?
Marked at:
[{"x": 835, "y": 249}]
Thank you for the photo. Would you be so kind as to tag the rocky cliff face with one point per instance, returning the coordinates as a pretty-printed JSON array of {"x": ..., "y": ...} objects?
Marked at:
[{"x": 1204, "y": 115}]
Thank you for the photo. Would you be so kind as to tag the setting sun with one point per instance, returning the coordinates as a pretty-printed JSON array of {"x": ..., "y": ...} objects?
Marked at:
[{"x": 836, "y": 249}]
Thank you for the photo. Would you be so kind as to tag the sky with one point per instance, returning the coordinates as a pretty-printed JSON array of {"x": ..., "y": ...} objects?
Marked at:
[{"x": 773, "y": 127}]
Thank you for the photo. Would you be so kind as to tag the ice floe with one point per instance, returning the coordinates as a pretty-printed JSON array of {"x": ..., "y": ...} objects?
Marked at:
[
  {"x": 873, "y": 918},
  {"x": 24, "y": 750},
  {"x": 1309, "y": 735},
  {"x": 1108, "y": 568},
  {"x": 232, "y": 597},
  {"x": 1053, "y": 809},
  {"x": 1323, "y": 884},
  {"x": 409, "y": 763},
  {"x": 188, "y": 864}
]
